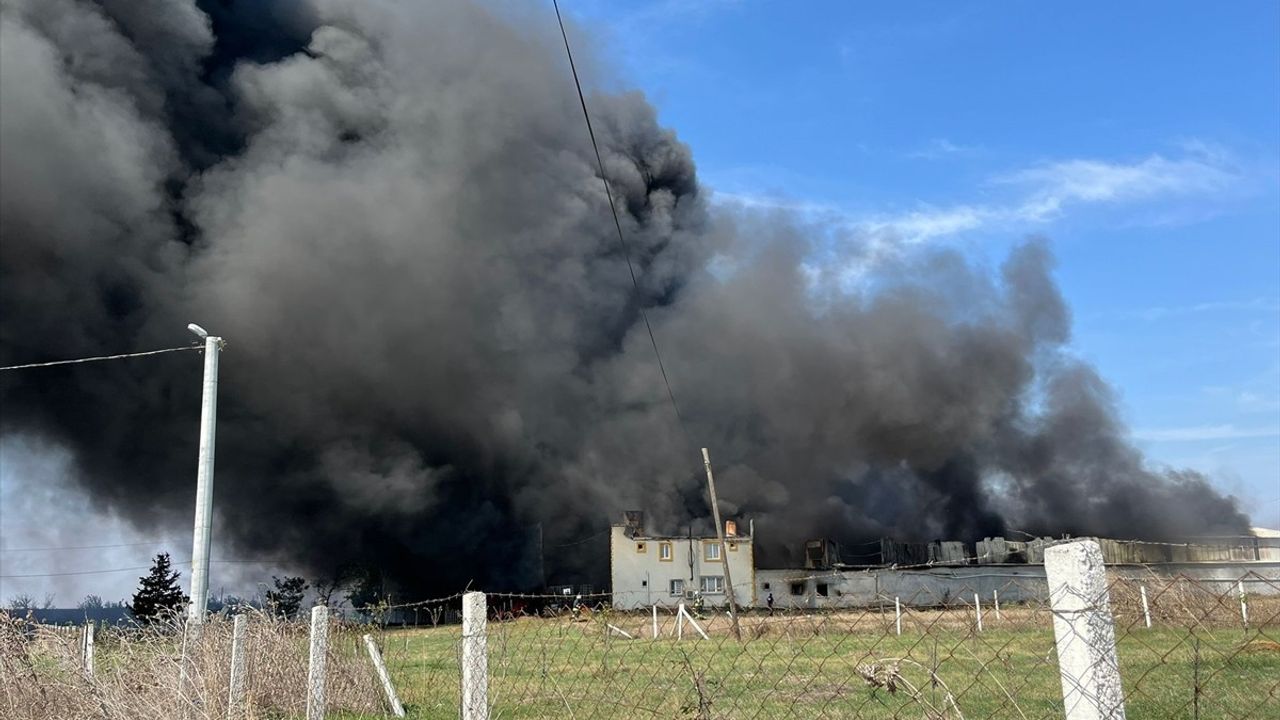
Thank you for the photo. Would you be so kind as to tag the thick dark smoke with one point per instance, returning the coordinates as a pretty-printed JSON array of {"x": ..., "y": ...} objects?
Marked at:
[{"x": 393, "y": 216}]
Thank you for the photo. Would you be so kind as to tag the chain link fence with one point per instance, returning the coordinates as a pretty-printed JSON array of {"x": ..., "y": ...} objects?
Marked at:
[{"x": 984, "y": 646}]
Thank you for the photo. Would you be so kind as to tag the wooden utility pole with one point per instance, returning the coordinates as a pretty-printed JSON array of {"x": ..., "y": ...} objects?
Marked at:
[{"x": 724, "y": 554}]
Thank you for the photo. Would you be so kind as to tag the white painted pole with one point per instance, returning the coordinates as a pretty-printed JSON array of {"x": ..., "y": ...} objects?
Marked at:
[
  {"x": 235, "y": 700},
  {"x": 475, "y": 657},
  {"x": 694, "y": 623},
  {"x": 620, "y": 631},
  {"x": 897, "y": 614},
  {"x": 392, "y": 699},
  {"x": 1244, "y": 609},
  {"x": 680, "y": 622},
  {"x": 204, "y": 483},
  {"x": 977, "y": 609},
  {"x": 995, "y": 600},
  {"x": 655, "y": 622},
  {"x": 1146, "y": 609},
  {"x": 87, "y": 649},
  {"x": 1084, "y": 632},
  {"x": 316, "y": 667}
]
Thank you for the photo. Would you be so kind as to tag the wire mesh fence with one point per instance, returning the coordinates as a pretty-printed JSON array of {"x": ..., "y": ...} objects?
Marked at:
[{"x": 984, "y": 647}]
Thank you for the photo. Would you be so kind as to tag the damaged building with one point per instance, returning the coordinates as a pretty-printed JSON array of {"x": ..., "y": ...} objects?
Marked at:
[{"x": 649, "y": 569}]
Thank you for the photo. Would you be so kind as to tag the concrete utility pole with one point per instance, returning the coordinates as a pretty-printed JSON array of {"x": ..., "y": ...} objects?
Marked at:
[
  {"x": 724, "y": 555},
  {"x": 204, "y": 477}
]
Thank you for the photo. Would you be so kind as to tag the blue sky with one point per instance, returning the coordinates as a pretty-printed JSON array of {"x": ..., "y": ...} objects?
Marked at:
[{"x": 1142, "y": 138}]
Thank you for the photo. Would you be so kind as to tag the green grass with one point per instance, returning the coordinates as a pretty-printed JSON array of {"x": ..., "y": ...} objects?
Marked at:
[{"x": 560, "y": 669}]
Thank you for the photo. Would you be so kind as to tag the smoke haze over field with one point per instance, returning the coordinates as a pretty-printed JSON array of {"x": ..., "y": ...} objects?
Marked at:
[{"x": 394, "y": 217}]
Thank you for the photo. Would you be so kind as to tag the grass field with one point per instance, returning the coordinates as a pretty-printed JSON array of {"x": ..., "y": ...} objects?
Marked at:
[
  {"x": 1198, "y": 662},
  {"x": 819, "y": 668}
]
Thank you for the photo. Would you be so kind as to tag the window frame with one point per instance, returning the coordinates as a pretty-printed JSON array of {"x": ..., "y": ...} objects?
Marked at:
[
  {"x": 719, "y": 582},
  {"x": 675, "y": 587},
  {"x": 708, "y": 548},
  {"x": 666, "y": 551}
]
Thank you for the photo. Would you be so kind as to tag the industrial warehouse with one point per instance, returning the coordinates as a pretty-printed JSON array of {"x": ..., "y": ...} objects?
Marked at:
[{"x": 648, "y": 569}]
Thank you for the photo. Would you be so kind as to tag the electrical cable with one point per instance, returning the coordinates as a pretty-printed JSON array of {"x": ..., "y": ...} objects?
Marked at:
[
  {"x": 617, "y": 224},
  {"x": 99, "y": 358}
]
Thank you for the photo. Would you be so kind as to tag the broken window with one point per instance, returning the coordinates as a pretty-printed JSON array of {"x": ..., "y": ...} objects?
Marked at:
[
  {"x": 677, "y": 588},
  {"x": 797, "y": 588},
  {"x": 822, "y": 589}
]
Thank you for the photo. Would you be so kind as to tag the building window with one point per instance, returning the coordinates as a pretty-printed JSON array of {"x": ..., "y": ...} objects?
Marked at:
[
  {"x": 766, "y": 586},
  {"x": 797, "y": 588},
  {"x": 712, "y": 584},
  {"x": 822, "y": 589},
  {"x": 640, "y": 547},
  {"x": 665, "y": 552},
  {"x": 677, "y": 588},
  {"x": 711, "y": 551}
]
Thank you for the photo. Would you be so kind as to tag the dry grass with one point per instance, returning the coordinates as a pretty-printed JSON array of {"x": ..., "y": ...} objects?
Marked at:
[{"x": 154, "y": 672}]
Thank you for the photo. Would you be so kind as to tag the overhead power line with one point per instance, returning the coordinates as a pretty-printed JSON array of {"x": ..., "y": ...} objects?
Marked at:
[
  {"x": 83, "y": 547},
  {"x": 128, "y": 569},
  {"x": 617, "y": 224},
  {"x": 98, "y": 358}
]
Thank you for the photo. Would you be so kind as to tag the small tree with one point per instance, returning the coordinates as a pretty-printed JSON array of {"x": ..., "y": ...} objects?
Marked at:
[
  {"x": 286, "y": 599},
  {"x": 158, "y": 593},
  {"x": 92, "y": 602}
]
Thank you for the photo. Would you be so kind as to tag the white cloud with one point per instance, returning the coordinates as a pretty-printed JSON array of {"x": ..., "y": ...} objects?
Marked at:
[
  {"x": 1052, "y": 186},
  {"x": 1036, "y": 195},
  {"x": 939, "y": 148},
  {"x": 1200, "y": 433}
]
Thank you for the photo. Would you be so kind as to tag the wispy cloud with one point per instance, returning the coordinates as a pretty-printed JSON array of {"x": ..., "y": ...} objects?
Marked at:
[
  {"x": 1161, "y": 312},
  {"x": 1201, "y": 433},
  {"x": 1035, "y": 195},
  {"x": 940, "y": 148},
  {"x": 1052, "y": 186}
]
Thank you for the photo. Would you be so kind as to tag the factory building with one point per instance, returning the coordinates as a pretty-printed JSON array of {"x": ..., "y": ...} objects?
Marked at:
[{"x": 649, "y": 569}]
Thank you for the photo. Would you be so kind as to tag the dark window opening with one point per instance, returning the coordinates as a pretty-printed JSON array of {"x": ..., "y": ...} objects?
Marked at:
[
  {"x": 797, "y": 588},
  {"x": 822, "y": 589},
  {"x": 766, "y": 586}
]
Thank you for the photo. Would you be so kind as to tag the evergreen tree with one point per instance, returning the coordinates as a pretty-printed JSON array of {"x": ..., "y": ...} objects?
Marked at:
[
  {"x": 286, "y": 599},
  {"x": 158, "y": 593}
]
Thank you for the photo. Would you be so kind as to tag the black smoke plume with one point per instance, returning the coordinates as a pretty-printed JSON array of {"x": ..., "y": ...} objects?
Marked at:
[{"x": 434, "y": 345}]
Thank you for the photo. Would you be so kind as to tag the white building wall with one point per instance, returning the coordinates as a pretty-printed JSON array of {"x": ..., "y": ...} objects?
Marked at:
[
  {"x": 955, "y": 585},
  {"x": 641, "y": 579}
]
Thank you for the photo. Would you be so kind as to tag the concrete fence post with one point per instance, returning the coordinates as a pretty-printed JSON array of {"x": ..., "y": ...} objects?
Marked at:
[
  {"x": 316, "y": 666},
  {"x": 1084, "y": 632},
  {"x": 475, "y": 657},
  {"x": 381, "y": 667},
  {"x": 977, "y": 610},
  {"x": 897, "y": 614},
  {"x": 1244, "y": 608},
  {"x": 86, "y": 649},
  {"x": 1146, "y": 609},
  {"x": 235, "y": 698},
  {"x": 995, "y": 600},
  {"x": 655, "y": 622}
]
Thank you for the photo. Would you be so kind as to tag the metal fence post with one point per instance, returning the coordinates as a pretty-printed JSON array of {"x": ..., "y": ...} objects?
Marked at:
[
  {"x": 235, "y": 699},
  {"x": 475, "y": 657},
  {"x": 316, "y": 666},
  {"x": 1146, "y": 608},
  {"x": 897, "y": 614},
  {"x": 1084, "y": 632},
  {"x": 977, "y": 610}
]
